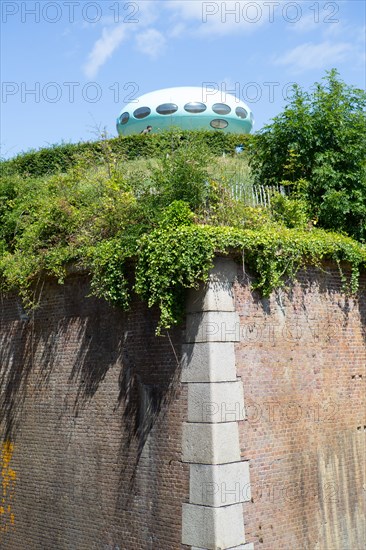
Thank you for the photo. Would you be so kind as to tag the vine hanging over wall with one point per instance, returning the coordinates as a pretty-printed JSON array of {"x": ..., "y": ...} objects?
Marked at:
[
  {"x": 174, "y": 259},
  {"x": 153, "y": 226}
]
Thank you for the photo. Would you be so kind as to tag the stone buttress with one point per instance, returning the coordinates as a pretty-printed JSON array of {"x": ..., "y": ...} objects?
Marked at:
[{"x": 219, "y": 480}]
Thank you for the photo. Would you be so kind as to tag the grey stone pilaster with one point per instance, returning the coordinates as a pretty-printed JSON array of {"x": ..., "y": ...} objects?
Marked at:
[{"x": 219, "y": 480}]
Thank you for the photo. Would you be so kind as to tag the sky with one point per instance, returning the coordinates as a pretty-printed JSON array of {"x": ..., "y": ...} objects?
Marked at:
[{"x": 69, "y": 67}]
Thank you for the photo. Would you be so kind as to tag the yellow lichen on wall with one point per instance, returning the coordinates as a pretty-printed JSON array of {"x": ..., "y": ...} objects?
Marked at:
[{"x": 8, "y": 480}]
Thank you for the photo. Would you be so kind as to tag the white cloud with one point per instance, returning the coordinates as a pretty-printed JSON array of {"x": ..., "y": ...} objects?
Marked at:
[
  {"x": 130, "y": 13},
  {"x": 186, "y": 9},
  {"x": 177, "y": 30},
  {"x": 314, "y": 56},
  {"x": 103, "y": 49},
  {"x": 228, "y": 86},
  {"x": 146, "y": 13},
  {"x": 151, "y": 42},
  {"x": 127, "y": 19},
  {"x": 306, "y": 23},
  {"x": 224, "y": 18},
  {"x": 346, "y": 29}
]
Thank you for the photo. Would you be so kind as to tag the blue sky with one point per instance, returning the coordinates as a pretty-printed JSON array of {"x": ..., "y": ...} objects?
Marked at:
[{"x": 68, "y": 67}]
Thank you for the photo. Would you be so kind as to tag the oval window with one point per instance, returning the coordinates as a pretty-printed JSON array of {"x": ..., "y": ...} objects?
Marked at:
[
  {"x": 241, "y": 112},
  {"x": 123, "y": 119},
  {"x": 167, "y": 109},
  {"x": 221, "y": 108},
  {"x": 195, "y": 107},
  {"x": 219, "y": 123},
  {"x": 142, "y": 112}
]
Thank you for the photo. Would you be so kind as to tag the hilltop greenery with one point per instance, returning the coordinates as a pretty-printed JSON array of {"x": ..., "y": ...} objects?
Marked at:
[
  {"x": 317, "y": 148},
  {"x": 152, "y": 223},
  {"x": 60, "y": 158}
]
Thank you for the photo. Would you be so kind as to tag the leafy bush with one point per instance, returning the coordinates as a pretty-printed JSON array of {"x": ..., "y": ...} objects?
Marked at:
[
  {"x": 153, "y": 227},
  {"x": 320, "y": 141},
  {"x": 170, "y": 260},
  {"x": 291, "y": 212},
  {"x": 183, "y": 175}
]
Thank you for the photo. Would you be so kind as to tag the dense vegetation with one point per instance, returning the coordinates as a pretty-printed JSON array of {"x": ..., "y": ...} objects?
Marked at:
[
  {"x": 153, "y": 224},
  {"x": 317, "y": 147},
  {"x": 63, "y": 157}
]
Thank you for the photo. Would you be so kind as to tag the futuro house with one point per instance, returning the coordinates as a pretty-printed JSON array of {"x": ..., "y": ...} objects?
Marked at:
[{"x": 189, "y": 108}]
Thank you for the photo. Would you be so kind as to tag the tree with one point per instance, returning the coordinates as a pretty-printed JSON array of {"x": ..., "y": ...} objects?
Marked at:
[{"x": 317, "y": 147}]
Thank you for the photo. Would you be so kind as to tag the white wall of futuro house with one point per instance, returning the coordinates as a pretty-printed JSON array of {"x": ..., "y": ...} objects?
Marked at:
[
  {"x": 180, "y": 96},
  {"x": 219, "y": 479}
]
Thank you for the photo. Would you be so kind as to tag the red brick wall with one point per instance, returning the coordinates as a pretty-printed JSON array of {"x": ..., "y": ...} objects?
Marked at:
[
  {"x": 91, "y": 402},
  {"x": 302, "y": 359}
]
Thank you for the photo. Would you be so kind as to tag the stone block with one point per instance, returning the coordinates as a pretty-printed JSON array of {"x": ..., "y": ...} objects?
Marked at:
[
  {"x": 210, "y": 443},
  {"x": 213, "y": 528},
  {"x": 220, "y": 484},
  {"x": 208, "y": 362},
  {"x": 216, "y": 402},
  {"x": 213, "y": 326},
  {"x": 213, "y": 296},
  {"x": 248, "y": 546},
  {"x": 224, "y": 270}
]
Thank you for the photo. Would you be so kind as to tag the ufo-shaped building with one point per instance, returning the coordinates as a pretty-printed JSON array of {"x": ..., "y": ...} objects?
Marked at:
[{"x": 189, "y": 108}]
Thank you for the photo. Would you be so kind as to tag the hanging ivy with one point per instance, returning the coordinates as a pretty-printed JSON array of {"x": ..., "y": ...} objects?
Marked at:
[{"x": 153, "y": 228}]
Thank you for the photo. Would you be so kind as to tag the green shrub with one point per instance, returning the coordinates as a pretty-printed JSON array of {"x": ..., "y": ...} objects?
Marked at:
[
  {"x": 291, "y": 212},
  {"x": 320, "y": 139},
  {"x": 153, "y": 226},
  {"x": 60, "y": 158}
]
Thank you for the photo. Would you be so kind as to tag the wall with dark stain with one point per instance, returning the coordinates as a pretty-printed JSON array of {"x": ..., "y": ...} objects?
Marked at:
[
  {"x": 91, "y": 413},
  {"x": 302, "y": 361},
  {"x": 91, "y": 410}
]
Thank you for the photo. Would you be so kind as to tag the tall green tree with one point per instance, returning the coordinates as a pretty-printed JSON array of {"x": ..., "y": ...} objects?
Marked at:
[{"x": 317, "y": 147}]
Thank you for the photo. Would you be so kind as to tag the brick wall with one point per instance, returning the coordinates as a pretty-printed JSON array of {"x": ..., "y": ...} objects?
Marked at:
[
  {"x": 302, "y": 359},
  {"x": 91, "y": 405}
]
